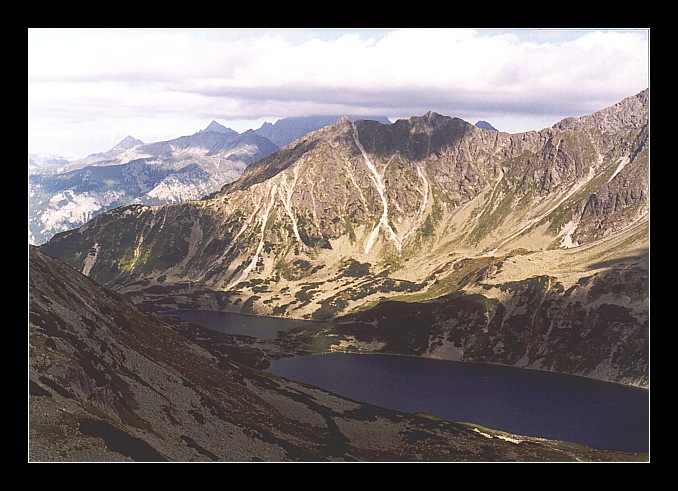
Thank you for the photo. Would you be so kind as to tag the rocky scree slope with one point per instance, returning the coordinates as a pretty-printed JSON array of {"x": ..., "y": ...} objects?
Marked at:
[
  {"x": 539, "y": 238},
  {"x": 110, "y": 383}
]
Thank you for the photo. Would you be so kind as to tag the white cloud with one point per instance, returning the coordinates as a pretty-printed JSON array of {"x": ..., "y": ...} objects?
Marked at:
[{"x": 102, "y": 78}]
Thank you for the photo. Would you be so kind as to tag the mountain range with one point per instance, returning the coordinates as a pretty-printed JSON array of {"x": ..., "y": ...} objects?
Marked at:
[
  {"x": 429, "y": 236},
  {"x": 64, "y": 194}
]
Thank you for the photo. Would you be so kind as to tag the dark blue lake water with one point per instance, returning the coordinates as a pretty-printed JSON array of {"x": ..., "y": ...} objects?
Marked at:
[
  {"x": 525, "y": 402},
  {"x": 233, "y": 323}
]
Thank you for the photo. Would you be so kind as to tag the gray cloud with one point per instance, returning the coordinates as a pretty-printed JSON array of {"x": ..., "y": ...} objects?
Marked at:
[{"x": 115, "y": 81}]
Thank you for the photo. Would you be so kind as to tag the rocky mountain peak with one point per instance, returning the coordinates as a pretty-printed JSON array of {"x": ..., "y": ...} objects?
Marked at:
[
  {"x": 433, "y": 122},
  {"x": 432, "y": 115},
  {"x": 127, "y": 143},
  {"x": 218, "y": 128},
  {"x": 629, "y": 112},
  {"x": 485, "y": 126},
  {"x": 434, "y": 118}
]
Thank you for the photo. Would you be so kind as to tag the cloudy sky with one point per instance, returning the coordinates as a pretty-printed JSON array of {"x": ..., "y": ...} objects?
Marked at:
[{"x": 89, "y": 88}]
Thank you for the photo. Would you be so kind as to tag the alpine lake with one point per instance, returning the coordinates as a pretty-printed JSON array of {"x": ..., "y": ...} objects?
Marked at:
[{"x": 525, "y": 402}]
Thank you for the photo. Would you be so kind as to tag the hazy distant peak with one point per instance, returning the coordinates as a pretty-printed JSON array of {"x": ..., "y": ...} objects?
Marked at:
[
  {"x": 219, "y": 128},
  {"x": 486, "y": 126},
  {"x": 43, "y": 159},
  {"x": 127, "y": 143}
]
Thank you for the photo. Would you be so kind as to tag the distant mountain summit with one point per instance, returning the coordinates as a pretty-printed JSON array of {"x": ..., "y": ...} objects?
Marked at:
[
  {"x": 125, "y": 144},
  {"x": 286, "y": 130},
  {"x": 486, "y": 126},
  {"x": 219, "y": 128}
]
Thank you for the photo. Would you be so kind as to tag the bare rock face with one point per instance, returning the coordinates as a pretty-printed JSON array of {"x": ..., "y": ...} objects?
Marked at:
[{"x": 362, "y": 212}]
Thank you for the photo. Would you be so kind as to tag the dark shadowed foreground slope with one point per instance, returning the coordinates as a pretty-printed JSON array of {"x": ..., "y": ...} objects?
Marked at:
[{"x": 109, "y": 383}]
